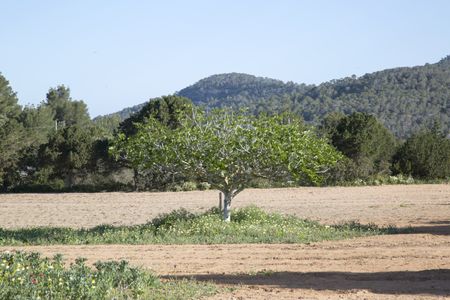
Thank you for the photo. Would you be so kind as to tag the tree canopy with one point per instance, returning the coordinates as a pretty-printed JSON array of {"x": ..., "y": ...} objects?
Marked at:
[
  {"x": 229, "y": 149},
  {"x": 11, "y": 131},
  {"x": 67, "y": 111},
  {"x": 426, "y": 154},
  {"x": 165, "y": 109},
  {"x": 68, "y": 152},
  {"x": 363, "y": 139}
]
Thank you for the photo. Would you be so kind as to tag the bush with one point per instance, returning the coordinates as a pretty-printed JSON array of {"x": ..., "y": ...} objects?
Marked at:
[
  {"x": 189, "y": 186},
  {"x": 169, "y": 219},
  {"x": 424, "y": 155},
  {"x": 174, "y": 188},
  {"x": 261, "y": 183},
  {"x": 29, "y": 276},
  {"x": 203, "y": 186},
  {"x": 343, "y": 172},
  {"x": 362, "y": 138}
]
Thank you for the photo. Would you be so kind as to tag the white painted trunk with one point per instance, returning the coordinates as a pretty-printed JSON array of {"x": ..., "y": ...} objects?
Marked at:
[{"x": 227, "y": 207}]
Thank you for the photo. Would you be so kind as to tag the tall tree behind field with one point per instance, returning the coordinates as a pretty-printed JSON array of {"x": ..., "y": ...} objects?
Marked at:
[
  {"x": 426, "y": 155},
  {"x": 9, "y": 109},
  {"x": 68, "y": 153},
  {"x": 56, "y": 143},
  {"x": 38, "y": 124},
  {"x": 67, "y": 111},
  {"x": 11, "y": 131},
  {"x": 165, "y": 109},
  {"x": 364, "y": 140}
]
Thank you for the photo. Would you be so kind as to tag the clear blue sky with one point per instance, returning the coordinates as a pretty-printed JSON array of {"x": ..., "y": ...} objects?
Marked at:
[{"x": 114, "y": 54}]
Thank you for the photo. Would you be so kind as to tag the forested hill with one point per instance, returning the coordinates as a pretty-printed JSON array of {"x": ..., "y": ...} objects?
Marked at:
[
  {"x": 231, "y": 90},
  {"x": 238, "y": 90},
  {"x": 404, "y": 99}
]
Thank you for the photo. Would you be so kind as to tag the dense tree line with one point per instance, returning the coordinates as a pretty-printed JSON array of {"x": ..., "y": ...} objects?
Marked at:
[{"x": 55, "y": 146}]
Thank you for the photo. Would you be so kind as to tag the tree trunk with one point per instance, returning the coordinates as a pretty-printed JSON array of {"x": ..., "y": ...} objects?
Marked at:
[
  {"x": 70, "y": 178},
  {"x": 4, "y": 186},
  {"x": 135, "y": 179},
  {"x": 227, "y": 206}
]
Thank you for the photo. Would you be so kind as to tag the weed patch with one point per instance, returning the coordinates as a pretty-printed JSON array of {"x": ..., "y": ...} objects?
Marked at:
[
  {"x": 29, "y": 276},
  {"x": 248, "y": 225}
]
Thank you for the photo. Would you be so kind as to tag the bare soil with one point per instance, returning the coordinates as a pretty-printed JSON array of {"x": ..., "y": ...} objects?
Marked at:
[
  {"x": 407, "y": 266},
  {"x": 400, "y": 205}
]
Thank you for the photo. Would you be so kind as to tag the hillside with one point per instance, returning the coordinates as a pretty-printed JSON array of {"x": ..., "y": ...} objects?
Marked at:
[
  {"x": 404, "y": 99},
  {"x": 230, "y": 90},
  {"x": 238, "y": 90}
]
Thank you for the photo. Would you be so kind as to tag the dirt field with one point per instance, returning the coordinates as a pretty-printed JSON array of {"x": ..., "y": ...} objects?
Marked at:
[
  {"x": 401, "y": 205},
  {"x": 413, "y": 266}
]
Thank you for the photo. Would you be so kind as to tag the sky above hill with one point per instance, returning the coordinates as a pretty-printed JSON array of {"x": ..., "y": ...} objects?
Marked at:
[{"x": 114, "y": 54}]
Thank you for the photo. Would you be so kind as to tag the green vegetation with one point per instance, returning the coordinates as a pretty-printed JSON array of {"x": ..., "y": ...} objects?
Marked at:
[
  {"x": 11, "y": 131},
  {"x": 237, "y": 90},
  {"x": 29, "y": 276},
  {"x": 404, "y": 99},
  {"x": 55, "y": 146},
  {"x": 229, "y": 150},
  {"x": 248, "y": 225},
  {"x": 366, "y": 143},
  {"x": 166, "y": 110},
  {"x": 424, "y": 155}
]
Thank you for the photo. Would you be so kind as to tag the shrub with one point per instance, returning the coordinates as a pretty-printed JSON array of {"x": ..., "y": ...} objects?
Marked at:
[
  {"x": 175, "y": 188},
  {"x": 203, "y": 186},
  {"x": 362, "y": 138},
  {"x": 261, "y": 183},
  {"x": 169, "y": 219},
  {"x": 189, "y": 186},
  {"x": 29, "y": 276},
  {"x": 424, "y": 155}
]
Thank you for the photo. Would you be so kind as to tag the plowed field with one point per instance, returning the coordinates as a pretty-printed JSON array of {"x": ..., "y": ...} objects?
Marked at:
[{"x": 407, "y": 266}]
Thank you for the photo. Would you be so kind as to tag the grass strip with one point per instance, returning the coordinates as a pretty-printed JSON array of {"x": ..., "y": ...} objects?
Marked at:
[{"x": 248, "y": 225}]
